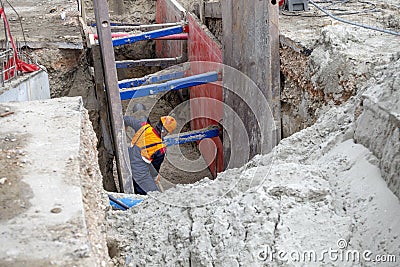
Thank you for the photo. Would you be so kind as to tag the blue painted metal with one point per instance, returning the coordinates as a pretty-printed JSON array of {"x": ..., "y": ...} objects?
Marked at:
[
  {"x": 150, "y": 79},
  {"x": 163, "y": 62},
  {"x": 192, "y": 136},
  {"x": 147, "y": 35},
  {"x": 117, "y": 24},
  {"x": 130, "y": 202},
  {"x": 177, "y": 84}
]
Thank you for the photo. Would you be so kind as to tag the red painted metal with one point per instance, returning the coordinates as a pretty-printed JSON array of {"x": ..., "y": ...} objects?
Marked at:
[
  {"x": 15, "y": 63},
  {"x": 167, "y": 12},
  {"x": 179, "y": 36},
  {"x": 206, "y": 102}
]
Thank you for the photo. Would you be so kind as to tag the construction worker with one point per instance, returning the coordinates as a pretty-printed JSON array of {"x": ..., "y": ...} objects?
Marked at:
[{"x": 147, "y": 151}]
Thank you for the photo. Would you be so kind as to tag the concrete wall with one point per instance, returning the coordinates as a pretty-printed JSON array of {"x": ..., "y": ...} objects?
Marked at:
[{"x": 32, "y": 86}]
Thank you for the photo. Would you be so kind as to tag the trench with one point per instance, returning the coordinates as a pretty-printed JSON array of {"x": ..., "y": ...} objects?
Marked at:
[{"x": 175, "y": 103}]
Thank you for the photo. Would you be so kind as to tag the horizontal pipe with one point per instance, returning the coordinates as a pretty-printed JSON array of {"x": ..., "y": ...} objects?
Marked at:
[
  {"x": 148, "y": 62},
  {"x": 169, "y": 86},
  {"x": 148, "y": 35},
  {"x": 129, "y": 83},
  {"x": 192, "y": 136},
  {"x": 180, "y": 36},
  {"x": 122, "y": 27}
]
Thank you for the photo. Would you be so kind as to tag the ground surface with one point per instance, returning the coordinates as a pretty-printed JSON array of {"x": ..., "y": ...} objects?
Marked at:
[
  {"x": 324, "y": 61},
  {"x": 43, "y": 23}
]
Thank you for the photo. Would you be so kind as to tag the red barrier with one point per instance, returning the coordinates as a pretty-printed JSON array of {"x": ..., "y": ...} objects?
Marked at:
[
  {"x": 167, "y": 11},
  {"x": 206, "y": 104}
]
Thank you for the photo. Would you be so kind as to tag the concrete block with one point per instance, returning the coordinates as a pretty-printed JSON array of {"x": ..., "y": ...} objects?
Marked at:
[
  {"x": 49, "y": 161},
  {"x": 297, "y": 5},
  {"x": 32, "y": 86}
]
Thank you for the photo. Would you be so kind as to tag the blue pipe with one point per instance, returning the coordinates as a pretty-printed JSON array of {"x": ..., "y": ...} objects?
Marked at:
[
  {"x": 147, "y": 35},
  {"x": 192, "y": 136},
  {"x": 177, "y": 84},
  {"x": 150, "y": 79}
]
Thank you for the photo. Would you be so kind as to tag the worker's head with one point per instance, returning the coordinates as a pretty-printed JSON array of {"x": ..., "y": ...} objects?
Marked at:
[{"x": 168, "y": 123}]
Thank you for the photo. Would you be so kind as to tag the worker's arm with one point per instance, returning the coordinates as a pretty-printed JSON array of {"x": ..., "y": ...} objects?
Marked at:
[{"x": 133, "y": 122}]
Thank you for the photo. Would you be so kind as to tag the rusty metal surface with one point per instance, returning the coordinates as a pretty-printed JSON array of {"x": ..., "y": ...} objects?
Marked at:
[
  {"x": 251, "y": 46},
  {"x": 114, "y": 102}
]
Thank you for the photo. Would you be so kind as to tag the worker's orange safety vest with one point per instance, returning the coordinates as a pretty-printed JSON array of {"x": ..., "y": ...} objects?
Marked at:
[{"x": 147, "y": 141}]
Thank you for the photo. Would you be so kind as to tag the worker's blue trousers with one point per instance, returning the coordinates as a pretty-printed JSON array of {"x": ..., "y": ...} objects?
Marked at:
[{"x": 142, "y": 178}]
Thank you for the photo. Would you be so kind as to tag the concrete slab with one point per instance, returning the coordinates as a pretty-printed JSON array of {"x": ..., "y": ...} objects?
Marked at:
[{"x": 42, "y": 222}]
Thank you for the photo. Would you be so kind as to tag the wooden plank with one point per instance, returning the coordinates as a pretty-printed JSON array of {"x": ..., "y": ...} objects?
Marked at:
[
  {"x": 114, "y": 102},
  {"x": 213, "y": 10}
]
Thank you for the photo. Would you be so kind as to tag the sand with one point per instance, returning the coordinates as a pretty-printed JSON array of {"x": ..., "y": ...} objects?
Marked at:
[{"x": 317, "y": 191}]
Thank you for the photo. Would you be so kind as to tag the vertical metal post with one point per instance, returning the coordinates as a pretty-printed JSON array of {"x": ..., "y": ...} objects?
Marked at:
[
  {"x": 251, "y": 45},
  {"x": 114, "y": 101}
]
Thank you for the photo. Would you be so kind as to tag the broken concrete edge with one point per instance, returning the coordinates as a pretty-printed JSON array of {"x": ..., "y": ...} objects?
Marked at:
[
  {"x": 94, "y": 197},
  {"x": 65, "y": 218},
  {"x": 57, "y": 45}
]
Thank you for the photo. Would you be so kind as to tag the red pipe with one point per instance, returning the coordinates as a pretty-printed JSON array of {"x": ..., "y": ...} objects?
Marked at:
[{"x": 180, "y": 36}]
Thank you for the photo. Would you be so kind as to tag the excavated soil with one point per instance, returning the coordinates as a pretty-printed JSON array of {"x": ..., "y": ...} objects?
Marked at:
[{"x": 316, "y": 191}]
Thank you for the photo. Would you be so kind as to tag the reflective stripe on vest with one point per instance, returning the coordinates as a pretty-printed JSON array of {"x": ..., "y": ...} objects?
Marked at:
[{"x": 148, "y": 142}]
